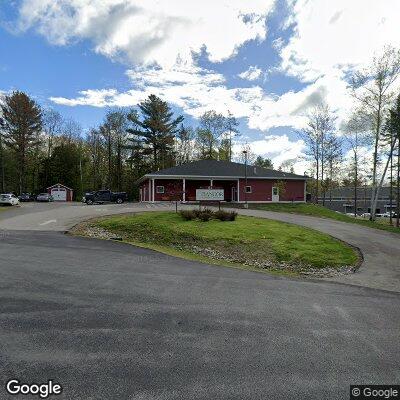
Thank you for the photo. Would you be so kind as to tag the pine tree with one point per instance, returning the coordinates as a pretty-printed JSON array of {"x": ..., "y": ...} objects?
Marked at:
[
  {"x": 157, "y": 128},
  {"x": 22, "y": 122}
]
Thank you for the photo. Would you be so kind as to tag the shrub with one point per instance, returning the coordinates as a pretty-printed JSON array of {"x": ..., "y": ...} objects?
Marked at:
[
  {"x": 221, "y": 215},
  {"x": 232, "y": 216},
  {"x": 225, "y": 215},
  {"x": 196, "y": 212},
  {"x": 188, "y": 215},
  {"x": 205, "y": 215}
]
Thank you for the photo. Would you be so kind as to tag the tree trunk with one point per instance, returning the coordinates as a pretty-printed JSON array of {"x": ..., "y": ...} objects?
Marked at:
[
  {"x": 355, "y": 184},
  {"x": 398, "y": 185},
  {"x": 3, "y": 183},
  {"x": 374, "y": 189},
  {"x": 317, "y": 184},
  {"x": 391, "y": 179},
  {"x": 380, "y": 184},
  {"x": 109, "y": 161}
]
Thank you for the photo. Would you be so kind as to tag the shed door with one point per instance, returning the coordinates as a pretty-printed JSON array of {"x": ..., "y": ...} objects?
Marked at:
[{"x": 59, "y": 194}]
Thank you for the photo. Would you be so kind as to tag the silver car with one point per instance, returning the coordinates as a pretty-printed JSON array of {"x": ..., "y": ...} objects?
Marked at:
[{"x": 44, "y": 197}]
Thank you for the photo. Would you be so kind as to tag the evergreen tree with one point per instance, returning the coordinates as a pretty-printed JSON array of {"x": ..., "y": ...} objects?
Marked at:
[
  {"x": 157, "y": 129},
  {"x": 22, "y": 123}
]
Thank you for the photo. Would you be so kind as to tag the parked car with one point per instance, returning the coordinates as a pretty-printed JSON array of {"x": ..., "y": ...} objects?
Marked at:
[
  {"x": 9, "y": 199},
  {"x": 104, "y": 196},
  {"x": 26, "y": 197},
  {"x": 365, "y": 215},
  {"x": 44, "y": 197}
]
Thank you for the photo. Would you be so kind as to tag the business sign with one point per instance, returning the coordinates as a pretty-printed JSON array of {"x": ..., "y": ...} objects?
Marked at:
[{"x": 210, "y": 194}]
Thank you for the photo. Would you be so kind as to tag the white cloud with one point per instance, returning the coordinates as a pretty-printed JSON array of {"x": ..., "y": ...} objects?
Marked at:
[
  {"x": 251, "y": 74},
  {"x": 337, "y": 35},
  {"x": 161, "y": 41},
  {"x": 150, "y": 31},
  {"x": 95, "y": 98},
  {"x": 278, "y": 149}
]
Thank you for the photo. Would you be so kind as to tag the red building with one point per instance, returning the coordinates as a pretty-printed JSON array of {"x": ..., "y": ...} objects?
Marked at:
[
  {"x": 263, "y": 185},
  {"x": 60, "y": 192}
]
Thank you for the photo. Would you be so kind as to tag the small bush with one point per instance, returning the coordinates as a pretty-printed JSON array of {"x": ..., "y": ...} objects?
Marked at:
[
  {"x": 188, "y": 215},
  {"x": 222, "y": 215},
  {"x": 205, "y": 215},
  {"x": 196, "y": 212},
  {"x": 225, "y": 215},
  {"x": 232, "y": 216}
]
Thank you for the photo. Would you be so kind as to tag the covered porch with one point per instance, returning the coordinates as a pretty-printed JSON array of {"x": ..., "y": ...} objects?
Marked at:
[{"x": 184, "y": 189}]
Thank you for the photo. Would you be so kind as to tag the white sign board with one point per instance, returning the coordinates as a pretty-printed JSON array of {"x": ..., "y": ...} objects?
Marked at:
[{"x": 210, "y": 194}]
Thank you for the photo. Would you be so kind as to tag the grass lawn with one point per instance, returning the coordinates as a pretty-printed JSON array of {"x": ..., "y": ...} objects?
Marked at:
[
  {"x": 247, "y": 240},
  {"x": 323, "y": 212}
]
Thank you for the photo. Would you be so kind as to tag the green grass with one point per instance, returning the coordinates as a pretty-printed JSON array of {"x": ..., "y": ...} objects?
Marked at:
[
  {"x": 247, "y": 240},
  {"x": 323, "y": 212}
]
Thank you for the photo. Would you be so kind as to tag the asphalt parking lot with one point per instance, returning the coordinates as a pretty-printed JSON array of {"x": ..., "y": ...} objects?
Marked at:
[{"x": 107, "y": 320}]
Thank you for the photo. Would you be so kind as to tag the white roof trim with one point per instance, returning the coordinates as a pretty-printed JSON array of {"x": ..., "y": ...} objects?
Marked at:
[
  {"x": 59, "y": 184},
  {"x": 300, "y": 178}
]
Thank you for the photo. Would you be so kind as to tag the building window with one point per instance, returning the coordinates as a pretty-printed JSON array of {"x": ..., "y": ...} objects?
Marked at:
[
  {"x": 275, "y": 191},
  {"x": 248, "y": 189},
  {"x": 160, "y": 189}
]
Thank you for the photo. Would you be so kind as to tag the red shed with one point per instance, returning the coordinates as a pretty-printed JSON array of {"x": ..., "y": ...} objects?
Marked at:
[
  {"x": 60, "y": 192},
  {"x": 241, "y": 183}
]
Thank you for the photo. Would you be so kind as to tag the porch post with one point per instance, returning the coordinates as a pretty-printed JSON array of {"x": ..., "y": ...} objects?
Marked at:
[
  {"x": 238, "y": 191},
  {"x": 184, "y": 190},
  {"x": 148, "y": 196},
  {"x": 152, "y": 192},
  {"x": 211, "y": 182}
]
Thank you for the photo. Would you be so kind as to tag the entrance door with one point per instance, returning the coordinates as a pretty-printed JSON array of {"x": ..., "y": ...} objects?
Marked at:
[
  {"x": 234, "y": 194},
  {"x": 275, "y": 194}
]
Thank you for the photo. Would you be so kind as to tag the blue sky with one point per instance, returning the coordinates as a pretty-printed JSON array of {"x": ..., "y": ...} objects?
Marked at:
[{"x": 266, "y": 61}]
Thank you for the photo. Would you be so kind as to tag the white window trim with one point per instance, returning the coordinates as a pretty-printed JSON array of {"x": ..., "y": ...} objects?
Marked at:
[
  {"x": 248, "y": 191},
  {"x": 158, "y": 189}
]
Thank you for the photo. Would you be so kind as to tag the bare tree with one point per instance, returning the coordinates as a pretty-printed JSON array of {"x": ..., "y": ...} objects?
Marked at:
[
  {"x": 333, "y": 161},
  {"x": 52, "y": 126},
  {"x": 356, "y": 136},
  {"x": 371, "y": 87},
  {"x": 231, "y": 125},
  {"x": 184, "y": 144},
  {"x": 212, "y": 126},
  {"x": 320, "y": 127}
]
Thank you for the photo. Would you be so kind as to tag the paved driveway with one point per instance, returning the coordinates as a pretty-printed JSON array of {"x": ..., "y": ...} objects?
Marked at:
[
  {"x": 381, "y": 249},
  {"x": 62, "y": 216},
  {"x": 112, "y": 321}
]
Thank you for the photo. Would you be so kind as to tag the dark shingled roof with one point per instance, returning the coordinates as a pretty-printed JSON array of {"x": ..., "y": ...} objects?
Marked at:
[{"x": 214, "y": 168}]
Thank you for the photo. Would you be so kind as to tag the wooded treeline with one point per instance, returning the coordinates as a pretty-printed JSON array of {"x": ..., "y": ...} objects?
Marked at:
[
  {"x": 371, "y": 135},
  {"x": 38, "y": 147}
]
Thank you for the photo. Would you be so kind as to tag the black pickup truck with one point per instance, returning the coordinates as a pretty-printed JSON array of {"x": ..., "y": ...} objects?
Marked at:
[{"x": 104, "y": 196}]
